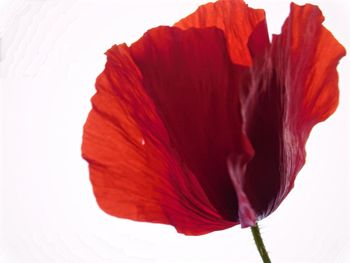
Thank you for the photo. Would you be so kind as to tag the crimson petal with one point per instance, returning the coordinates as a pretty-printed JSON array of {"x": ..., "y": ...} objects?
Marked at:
[
  {"x": 190, "y": 77},
  {"x": 292, "y": 88},
  {"x": 152, "y": 155},
  {"x": 240, "y": 25}
]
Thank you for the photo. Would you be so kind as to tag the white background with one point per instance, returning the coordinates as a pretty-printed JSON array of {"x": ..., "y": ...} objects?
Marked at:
[{"x": 51, "y": 52}]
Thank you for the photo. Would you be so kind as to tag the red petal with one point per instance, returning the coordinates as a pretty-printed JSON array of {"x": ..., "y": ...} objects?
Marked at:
[
  {"x": 289, "y": 94},
  {"x": 307, "y": 54},
  {"x": 240, "y": 24},
  {"x": 189, "y": 76},
  {"x": 134, "y": 170},
  {"x": 236, "y": 20}
]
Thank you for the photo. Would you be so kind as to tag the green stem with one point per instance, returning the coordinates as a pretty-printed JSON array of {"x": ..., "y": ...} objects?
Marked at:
[{"x": 260, "y": 244}]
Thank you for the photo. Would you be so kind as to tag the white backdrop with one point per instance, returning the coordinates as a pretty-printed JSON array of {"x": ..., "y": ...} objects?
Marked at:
[{"x": 51, "y": 52}]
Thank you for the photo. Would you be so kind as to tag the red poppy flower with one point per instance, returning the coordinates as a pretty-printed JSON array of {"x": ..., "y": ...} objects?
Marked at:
[{"x": 203, "y": 125}]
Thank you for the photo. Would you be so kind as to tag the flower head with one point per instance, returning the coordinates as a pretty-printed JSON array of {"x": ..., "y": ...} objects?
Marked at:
[{"x": 203, "y": 125}]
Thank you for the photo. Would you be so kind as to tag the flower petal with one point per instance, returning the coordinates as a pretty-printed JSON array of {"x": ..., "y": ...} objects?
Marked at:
[
  {"x": 307, "y": 54},
  {"x": 189, "y": 76},
  {"x": 247, "y": 37},
  {"x": 236, "y": 20},
  {"x": 292, "y": 89},
  {"x": 134, "y": 170}
]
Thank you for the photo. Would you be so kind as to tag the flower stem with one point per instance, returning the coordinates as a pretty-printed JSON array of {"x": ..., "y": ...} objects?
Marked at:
[{"x": 260, "y": 244}]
